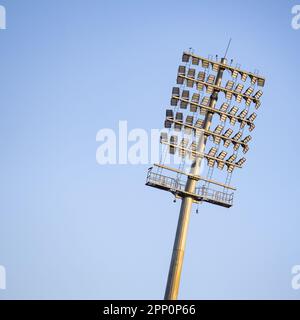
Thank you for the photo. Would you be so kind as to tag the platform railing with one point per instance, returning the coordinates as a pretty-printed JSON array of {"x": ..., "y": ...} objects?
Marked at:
[{"x": 175, "y": 185}]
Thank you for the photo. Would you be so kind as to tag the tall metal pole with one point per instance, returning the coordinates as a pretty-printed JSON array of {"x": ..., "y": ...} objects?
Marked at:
[{"x": 187, "y": 202}]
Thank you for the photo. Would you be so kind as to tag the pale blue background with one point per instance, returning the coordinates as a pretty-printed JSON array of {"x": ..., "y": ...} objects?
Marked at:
[{"x": 70, "y": 228}]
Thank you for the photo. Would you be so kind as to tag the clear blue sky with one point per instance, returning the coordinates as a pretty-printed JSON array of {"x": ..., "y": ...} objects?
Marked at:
[{"x": 70, "y": 228}]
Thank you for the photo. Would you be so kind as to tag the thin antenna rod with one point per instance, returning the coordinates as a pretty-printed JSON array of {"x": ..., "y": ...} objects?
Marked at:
[{"x": 229, "y": 42}]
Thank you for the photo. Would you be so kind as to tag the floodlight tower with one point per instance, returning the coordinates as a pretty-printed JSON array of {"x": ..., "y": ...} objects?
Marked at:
[{"x": 195, "y": 186}]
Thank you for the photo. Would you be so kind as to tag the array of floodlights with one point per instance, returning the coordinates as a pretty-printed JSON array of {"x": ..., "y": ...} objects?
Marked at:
[{"x": 190, "y": 93}]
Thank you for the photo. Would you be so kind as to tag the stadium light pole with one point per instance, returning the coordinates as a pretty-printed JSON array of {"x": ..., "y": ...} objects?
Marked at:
[{"x": 196, "y": 188}]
